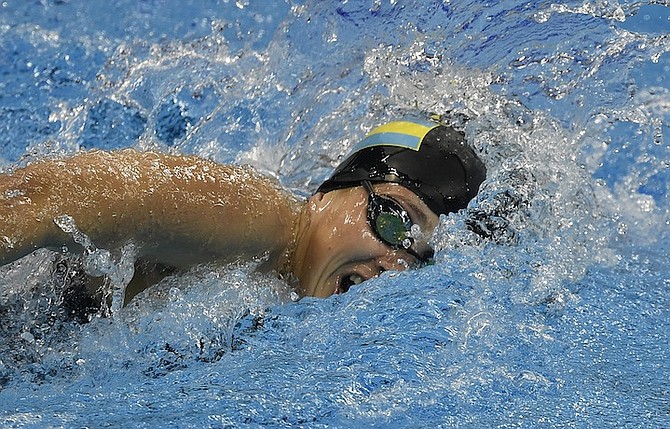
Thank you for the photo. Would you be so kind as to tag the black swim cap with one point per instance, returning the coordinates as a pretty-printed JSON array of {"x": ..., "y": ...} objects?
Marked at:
[{"x": 430, "y": 159}]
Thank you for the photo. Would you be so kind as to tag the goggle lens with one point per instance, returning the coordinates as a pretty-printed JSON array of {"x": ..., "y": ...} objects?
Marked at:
[{"x": 389, "y": 221}]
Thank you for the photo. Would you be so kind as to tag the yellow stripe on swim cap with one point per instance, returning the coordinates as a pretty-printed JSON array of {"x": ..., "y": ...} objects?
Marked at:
[
  {"x": 406, "y": 134},
  {"x": 415, "y": 129}
]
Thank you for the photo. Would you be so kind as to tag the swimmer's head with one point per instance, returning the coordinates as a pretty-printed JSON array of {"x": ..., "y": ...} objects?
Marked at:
[
  {"x": 376, "y": 211},
  {"x": 430, "y": 159}
]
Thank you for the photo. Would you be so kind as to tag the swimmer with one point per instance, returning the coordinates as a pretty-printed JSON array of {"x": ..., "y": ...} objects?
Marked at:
[{"x": 375, "y": 213}]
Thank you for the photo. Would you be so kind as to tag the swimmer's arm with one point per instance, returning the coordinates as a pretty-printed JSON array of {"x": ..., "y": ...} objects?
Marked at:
[{"x": 177, "y": 210}]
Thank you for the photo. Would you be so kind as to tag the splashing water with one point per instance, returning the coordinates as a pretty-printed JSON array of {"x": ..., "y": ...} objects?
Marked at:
[
  {"x": 99, "y": 262},
  {"x": 548, "y": 302}
]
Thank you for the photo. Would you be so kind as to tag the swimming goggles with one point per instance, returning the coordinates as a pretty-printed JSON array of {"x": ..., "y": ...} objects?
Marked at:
[{"x": 390, "y": 222}]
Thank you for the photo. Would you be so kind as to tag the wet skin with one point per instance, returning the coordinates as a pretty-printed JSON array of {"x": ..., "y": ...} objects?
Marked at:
[
  {"x": 336, "y": 246},
  {"x": 182, "y": 211}
]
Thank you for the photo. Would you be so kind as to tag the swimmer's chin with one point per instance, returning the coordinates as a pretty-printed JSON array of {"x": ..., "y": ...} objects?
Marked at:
[{"x": 323, "y": 290}]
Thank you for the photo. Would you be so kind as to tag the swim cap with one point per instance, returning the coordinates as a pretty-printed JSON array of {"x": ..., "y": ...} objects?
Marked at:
[{"x": 430, "y": 159}]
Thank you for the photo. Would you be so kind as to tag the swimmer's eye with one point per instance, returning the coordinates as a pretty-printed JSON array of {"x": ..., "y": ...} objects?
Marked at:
[{"x": 390, "y": 222}]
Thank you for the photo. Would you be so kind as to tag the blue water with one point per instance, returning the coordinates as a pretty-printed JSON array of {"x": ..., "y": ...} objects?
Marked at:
[{"x": 560, "y": 319}]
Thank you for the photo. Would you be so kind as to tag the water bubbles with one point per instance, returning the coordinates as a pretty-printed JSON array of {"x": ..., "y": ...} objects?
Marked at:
[
  {"x": 598, "y": 8},
  {"x": 294, "y": 297},
  {"x": 376, "y": 6},
  {"x": 542, "y": 17},
  {"x": 100, "y": 262},
  {"x": 186, "y": 318},
  {"x": 416, "y": 233},
  {"x": 172, "y": 122},
  {"x": 475, "y": 337},
  {"x": 68, "y": 225},
  {"x": 27, "y": 336},
  {"x": 110, "y": 124}
]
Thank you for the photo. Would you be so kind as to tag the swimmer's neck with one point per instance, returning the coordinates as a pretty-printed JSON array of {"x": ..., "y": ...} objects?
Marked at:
[{"x": 290, "y": 260}]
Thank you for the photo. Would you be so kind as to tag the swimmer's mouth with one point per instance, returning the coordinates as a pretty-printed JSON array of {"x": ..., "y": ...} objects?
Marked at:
[{"x": 347, "y": 281}]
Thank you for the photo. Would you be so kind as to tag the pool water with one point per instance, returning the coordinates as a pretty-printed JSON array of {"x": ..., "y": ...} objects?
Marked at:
[{"x": 559, "y": 318}]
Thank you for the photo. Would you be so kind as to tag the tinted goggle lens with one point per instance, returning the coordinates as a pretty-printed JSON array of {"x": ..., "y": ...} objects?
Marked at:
[{"x": 389, "y": 221}]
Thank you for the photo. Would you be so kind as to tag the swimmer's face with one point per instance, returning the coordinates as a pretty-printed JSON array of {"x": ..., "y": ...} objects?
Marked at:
[{"x": 338, "y": 248}]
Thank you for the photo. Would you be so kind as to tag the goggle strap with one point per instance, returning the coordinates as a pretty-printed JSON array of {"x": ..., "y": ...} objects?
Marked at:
[{"x": 368, "y": 187}]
